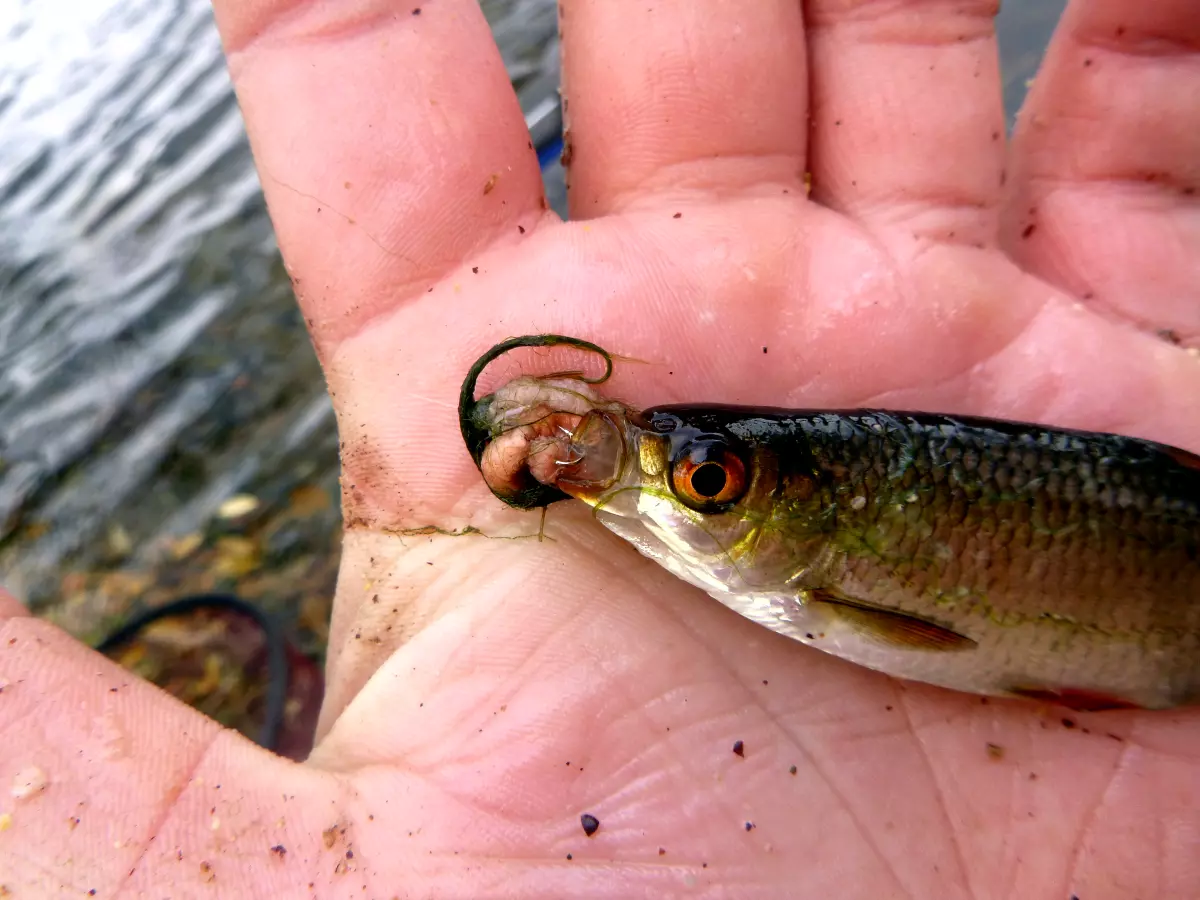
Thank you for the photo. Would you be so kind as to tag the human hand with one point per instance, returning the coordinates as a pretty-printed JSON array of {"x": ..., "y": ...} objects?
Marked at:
[{"x": 482, "y": 692}]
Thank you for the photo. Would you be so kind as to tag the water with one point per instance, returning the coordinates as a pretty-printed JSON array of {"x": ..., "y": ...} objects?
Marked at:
[{"x": 152, "y": 361}]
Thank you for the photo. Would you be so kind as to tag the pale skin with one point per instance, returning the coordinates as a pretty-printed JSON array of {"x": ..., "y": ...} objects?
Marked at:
[{"x": 484, "y": 693}]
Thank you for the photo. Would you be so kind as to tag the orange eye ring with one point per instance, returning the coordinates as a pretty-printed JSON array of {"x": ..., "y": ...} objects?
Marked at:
[{"x": 707, "y": 475}]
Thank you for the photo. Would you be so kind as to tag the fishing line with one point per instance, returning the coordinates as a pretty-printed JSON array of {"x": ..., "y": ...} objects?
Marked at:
[{"x": 278, "y": 670}]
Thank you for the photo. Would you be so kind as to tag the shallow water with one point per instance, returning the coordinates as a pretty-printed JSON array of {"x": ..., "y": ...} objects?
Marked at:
[{"x": 152, "y": 361}]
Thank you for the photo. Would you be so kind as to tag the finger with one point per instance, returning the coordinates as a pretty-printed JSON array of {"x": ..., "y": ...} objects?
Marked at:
[
  {"x": 1106, "y": 178},
  {"x": 907, "y": 115},
  {"x": 680, "y": 94},
  {"x": 389, "y": 142}
]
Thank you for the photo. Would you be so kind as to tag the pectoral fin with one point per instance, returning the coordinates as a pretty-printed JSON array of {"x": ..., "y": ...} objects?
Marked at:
[{"x": 886, "y": 626}]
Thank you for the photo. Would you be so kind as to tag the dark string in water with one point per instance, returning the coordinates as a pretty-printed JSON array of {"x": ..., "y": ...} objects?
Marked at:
[{"x": 278, "y": 670}]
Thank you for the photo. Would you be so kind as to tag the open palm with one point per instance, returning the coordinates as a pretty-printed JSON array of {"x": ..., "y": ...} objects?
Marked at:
[{"x": 485, "y": 692}]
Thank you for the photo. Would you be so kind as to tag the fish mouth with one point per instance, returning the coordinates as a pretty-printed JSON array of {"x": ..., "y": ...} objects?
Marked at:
[{"x": 596, "y": 456}]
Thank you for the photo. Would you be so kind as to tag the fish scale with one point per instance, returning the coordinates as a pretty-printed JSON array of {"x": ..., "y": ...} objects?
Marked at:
[{"x": 970, "y": 499}]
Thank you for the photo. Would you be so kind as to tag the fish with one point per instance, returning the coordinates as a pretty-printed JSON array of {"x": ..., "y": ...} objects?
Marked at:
[{"x": 985, "y": 556}]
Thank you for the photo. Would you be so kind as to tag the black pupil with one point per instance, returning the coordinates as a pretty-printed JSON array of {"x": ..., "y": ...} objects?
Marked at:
[{"x": 708, "y": 479}]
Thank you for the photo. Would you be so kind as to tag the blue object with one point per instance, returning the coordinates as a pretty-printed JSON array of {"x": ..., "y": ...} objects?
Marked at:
[{"x": 550, "y": 151}]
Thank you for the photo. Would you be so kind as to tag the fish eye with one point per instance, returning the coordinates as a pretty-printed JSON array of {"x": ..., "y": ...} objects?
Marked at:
[{"x": 708, "y": 475}]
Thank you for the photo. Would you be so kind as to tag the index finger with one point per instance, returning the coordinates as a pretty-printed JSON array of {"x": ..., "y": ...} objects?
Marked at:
[{"x": 389, "y": 142}]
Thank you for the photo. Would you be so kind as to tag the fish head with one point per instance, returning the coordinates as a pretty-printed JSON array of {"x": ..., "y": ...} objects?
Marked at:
[{"x": 712, "y": 502}]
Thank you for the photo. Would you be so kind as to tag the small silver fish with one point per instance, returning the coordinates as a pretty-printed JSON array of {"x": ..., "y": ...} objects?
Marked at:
[{"x": 981, "y": 555}]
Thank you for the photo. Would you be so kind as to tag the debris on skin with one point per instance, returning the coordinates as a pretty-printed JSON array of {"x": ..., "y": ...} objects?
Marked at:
[
  {"x": 739, "y": 748},
  {"x": 29, "y": 781},
  {"x": 749, "y": 826},
  {"x": 590, "y": 824},
  {"x": 792, "y": 770},
  {"x": 5, "y": 821},
  {"x": 1170, "y": 336},
  {"x": 995, "y": 751}
]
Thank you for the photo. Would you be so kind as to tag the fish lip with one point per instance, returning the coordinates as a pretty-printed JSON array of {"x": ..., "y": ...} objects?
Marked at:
[
  {"x": 628, "y": 426},
  {"x": 601, "y": 447}
]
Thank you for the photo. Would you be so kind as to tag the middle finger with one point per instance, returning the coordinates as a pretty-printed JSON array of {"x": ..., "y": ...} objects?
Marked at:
[{"x": 678, "y": 95}]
